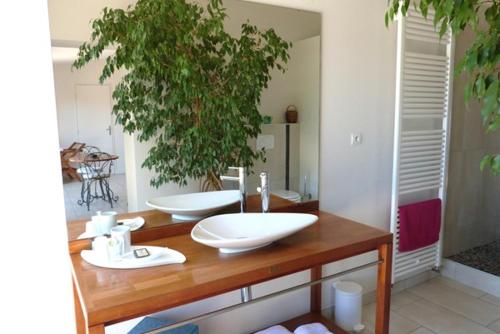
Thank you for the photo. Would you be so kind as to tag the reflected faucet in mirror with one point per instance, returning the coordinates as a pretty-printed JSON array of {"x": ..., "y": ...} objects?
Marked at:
[
  {"x": 264, "y": 191},
  {"x": 241, "y": 178}
]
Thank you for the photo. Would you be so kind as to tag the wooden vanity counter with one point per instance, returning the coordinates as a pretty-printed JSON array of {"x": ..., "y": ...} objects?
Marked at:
[{"x": 107, "y": 296}]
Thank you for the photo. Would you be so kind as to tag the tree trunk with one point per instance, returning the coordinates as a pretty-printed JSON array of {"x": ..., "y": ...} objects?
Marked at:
[{"x": 212, "y": 182}]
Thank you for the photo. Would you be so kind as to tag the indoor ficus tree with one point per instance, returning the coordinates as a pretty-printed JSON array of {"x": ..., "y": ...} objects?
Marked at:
[
  {"x": 190, "y": 87},
  {"x": 480, "y": 62}
]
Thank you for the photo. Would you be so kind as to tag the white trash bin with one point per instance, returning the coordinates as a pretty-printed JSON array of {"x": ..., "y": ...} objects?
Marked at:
[{"x": 348, "y": 301}]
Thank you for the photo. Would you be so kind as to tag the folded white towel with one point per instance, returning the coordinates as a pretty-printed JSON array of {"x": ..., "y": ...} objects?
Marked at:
[
  {"x": 278, "y": 329},
  {"x": 314, "y": 328}
]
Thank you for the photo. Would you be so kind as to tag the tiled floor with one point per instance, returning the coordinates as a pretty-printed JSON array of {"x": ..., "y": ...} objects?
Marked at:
[
  {"x": 72, "y": 195},
  {"x": 440, "y": 306}
]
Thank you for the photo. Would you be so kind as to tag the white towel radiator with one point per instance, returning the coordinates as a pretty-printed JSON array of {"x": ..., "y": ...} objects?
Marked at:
[{"x": 421, "y": 138}]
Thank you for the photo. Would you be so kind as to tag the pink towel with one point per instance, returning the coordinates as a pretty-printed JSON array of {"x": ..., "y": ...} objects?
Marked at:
[{"x": 419, "y": 224}]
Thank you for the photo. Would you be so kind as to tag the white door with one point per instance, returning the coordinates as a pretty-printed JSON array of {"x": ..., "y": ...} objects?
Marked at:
[{"x": 93, "y": 114}]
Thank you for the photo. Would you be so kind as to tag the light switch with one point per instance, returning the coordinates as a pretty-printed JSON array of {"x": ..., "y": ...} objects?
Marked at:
[
  {"x": 356, "y": 139},
  {"x": 265, "y": 141}
]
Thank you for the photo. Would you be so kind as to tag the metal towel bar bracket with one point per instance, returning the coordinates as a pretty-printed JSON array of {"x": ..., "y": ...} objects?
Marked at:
[{"x": 246, "y": 293}]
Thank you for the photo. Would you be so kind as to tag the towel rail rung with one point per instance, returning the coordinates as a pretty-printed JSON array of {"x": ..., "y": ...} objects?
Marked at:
[
  {"x": 419, "y": 189},
  {"x": 426, "y": 39},
  {"x": 417, "y": 84},
  {"x": 411, "y": 178},
  {"x": 424, "y": 61},
  {"x": 416, "y": 182},
  {"x": 436, "y": 167},
  {"x": 419, "y": 116},
  {"x": 436, "y": 141},
  {"x": 426, "y": 78},
  {"x": 430, "y": 94},
  {"x": 429, "y": 73},
  {"x": 422, "y": 132}
]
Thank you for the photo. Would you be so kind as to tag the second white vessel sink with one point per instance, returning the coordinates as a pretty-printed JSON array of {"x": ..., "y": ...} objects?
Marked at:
[
  {"x": 239, "y": 232},
  {"x": 195, "y": 206}
]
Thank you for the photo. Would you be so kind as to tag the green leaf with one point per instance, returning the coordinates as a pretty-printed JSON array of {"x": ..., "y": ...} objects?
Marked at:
[
  {"x": 468, "y": 91},
  {"x": 492, "y": 162},
  {"x": 480, "y": 86},
  {"x": 494, "y": 125},
  {"x": 486, "y": 161},
  {"x": 471, "y": 60},
  {"x": 495, "y": 166},
  {"x": 490, "y": 102}
]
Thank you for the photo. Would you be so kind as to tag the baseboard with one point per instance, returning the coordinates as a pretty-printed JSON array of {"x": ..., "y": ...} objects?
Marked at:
[{"x": 472, "y": 277}]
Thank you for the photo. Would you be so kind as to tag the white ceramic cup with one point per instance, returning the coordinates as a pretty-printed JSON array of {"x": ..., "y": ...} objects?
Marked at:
[
  {"x": 100, "y": 247},
  {"x": 91, "y": 229},
  {"x": 122, "y": 233},
  {"x": 104, "y": 221},
  {"x": 115, "y": 247}
]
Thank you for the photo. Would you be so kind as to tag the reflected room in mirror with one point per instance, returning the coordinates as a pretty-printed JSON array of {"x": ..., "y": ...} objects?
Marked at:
[{"x": 102, "y": 165}]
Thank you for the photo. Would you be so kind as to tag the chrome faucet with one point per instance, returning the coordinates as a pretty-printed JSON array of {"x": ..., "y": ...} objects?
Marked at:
[
  {"x": 241, "y": 178},
  {"x": 264, "y": 191}
]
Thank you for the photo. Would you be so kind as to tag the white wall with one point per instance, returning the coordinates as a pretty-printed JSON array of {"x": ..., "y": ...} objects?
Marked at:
[
  {"x": 139, "y": 189},
  {"x": 35, "y": 280},
  {"x": 65, "y": 81},
  {"x": 299, "y": 86},
  {"x": 306, "y": 62},
  {"x": 69, "y": 19},
  {"x": 357, "y": 95},
  {"x": 275, "y": 163}
]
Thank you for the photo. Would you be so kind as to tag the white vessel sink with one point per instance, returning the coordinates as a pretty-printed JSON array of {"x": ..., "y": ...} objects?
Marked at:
[
  {"x": 239, "y": 232},
  {"x": 195, "y": 206}
]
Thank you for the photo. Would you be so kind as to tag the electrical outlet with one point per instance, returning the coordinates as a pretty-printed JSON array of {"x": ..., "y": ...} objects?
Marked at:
[{"x": 356, "y": 139}]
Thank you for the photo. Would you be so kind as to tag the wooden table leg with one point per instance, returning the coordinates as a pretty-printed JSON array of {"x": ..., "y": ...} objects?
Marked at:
[
  {"x": 80, "y": 320},
  {"x": 316, "y": 273},
  {"x": 97, "y": 329},
  {"x": 383, "y": 289},
  {"x": 81, "y": 324}
]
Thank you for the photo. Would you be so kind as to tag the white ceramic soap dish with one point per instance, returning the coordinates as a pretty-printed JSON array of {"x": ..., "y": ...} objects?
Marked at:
[{"x": 158, "y": 256}]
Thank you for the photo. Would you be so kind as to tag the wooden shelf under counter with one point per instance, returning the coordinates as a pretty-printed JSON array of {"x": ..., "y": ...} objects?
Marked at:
[
  {"x": 312, "y": 317},
  {"x": 107, "y": 296}
]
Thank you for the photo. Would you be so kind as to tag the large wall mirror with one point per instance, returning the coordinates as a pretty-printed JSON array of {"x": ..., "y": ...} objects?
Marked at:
[{"x": 84, "y": 115}]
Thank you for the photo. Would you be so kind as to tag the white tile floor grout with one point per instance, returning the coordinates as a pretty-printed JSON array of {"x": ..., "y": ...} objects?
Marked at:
[
  {"x": 440, "y": 306},
  {"x": 72, "y": 195}
]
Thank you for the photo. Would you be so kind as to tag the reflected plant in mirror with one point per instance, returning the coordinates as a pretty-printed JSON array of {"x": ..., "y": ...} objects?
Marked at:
[{"x": 189, "y": 85}]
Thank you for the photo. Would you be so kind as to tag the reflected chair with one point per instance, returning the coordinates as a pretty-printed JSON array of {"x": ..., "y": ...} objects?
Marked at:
[
  {"x": 95, "y": 171},
  {"x": 68, "y": 153}
]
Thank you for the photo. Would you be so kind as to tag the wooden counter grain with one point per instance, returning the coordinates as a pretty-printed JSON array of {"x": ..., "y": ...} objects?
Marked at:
[{"x": 108, "y": 296}]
